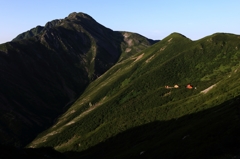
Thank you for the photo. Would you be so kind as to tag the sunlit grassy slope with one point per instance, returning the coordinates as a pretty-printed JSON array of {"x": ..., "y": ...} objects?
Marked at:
[{"x": 127, "y": 112}]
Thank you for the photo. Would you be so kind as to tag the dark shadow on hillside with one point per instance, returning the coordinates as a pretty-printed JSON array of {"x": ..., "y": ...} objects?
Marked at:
[
  {"x": 213, "y": 133},
  {"x": 10, "y": 152}
]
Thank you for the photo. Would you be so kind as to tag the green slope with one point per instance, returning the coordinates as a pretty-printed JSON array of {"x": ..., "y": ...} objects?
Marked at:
[{"x": 128, "y": 110}]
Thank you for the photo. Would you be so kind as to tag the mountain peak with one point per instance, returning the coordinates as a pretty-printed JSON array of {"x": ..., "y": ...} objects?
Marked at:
[
  {"x": 176, "y": 34},
  {"x": 72, "y": 17},
  {"x": 79, "y": 15}
]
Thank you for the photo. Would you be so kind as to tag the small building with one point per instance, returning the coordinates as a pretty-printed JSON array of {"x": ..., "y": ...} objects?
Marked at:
[
  {"x": 176, "y": 86},
  {"x": 189, "y": 86}
]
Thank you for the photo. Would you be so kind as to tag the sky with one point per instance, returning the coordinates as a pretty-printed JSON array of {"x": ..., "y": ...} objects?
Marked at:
[{"x": 154, "y": 19}]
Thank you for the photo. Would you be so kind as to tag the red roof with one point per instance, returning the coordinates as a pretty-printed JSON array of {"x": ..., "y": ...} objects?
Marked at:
[{"x": 189, "y": 86}]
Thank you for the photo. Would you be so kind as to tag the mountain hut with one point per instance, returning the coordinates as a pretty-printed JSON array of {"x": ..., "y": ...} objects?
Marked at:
[
  {"x": 189, "y": 86},
  {"x": 176, "y": 86}
]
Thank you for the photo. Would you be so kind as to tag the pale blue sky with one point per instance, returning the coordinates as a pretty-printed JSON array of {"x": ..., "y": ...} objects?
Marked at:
[{"x": 154, "y": 19}]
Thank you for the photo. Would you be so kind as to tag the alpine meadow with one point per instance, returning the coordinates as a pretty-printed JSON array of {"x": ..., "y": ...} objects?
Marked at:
[{"x": 77, "y": 89}]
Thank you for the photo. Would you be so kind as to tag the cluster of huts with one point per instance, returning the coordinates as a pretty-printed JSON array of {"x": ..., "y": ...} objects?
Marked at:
[{"x": 188, "y": 86}]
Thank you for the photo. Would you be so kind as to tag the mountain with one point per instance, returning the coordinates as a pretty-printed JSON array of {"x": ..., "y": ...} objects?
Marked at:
[
  {"x": 44, "y": 70},
  {"x": 133, "y": 110},
  {"x": 85, "y": 91}
]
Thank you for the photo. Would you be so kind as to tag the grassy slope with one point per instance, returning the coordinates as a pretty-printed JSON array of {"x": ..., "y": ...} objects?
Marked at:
[{"x": 130, "y": 104}]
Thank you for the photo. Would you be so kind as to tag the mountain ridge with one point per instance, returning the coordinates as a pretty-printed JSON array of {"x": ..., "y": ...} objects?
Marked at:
[{"x": 39, "y": 29}]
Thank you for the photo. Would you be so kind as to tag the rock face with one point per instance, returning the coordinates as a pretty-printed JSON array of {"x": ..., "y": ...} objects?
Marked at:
[{"x": 46, "y": 68}]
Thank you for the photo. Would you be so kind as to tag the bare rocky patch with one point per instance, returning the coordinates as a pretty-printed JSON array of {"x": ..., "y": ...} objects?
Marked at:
[
  {"x": 139, "y": 57},
  {"x": 208, "y": 89}
]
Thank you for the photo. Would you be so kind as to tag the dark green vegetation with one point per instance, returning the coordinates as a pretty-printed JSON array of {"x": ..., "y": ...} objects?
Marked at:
[
  {"x": 123, "y": 109},
  {"x": 128, "y": 111},
  {"x": 45, "y": 69}
]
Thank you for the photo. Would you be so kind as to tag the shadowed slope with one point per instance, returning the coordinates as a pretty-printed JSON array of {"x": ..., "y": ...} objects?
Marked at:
[{"x": 212, "y": 133}]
